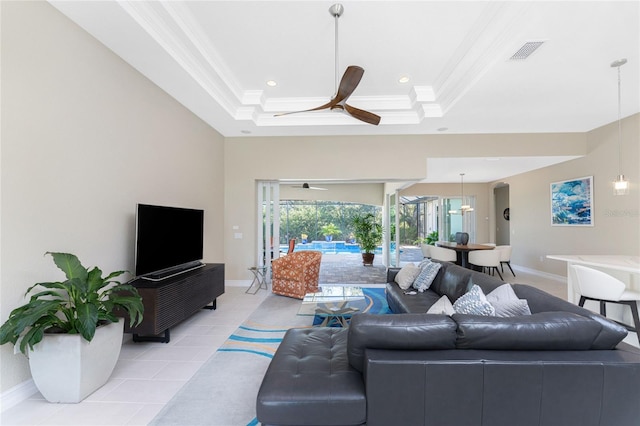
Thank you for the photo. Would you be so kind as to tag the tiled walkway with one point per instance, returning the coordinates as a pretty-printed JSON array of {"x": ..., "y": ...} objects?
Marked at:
[{"x": 347, "y": 268}]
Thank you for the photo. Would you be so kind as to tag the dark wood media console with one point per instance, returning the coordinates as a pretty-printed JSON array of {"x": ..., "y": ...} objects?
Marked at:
[{"x": 174, "y": 299}]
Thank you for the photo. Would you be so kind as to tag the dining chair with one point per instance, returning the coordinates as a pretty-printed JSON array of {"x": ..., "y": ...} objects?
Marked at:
[
  {"x": 505, "y": 257},
  {"x": 489, "y": 259},
  {"x": 443, "y": 254},
  {"x": 425, "y": 250},
  {"x": 603, "y": 288}
]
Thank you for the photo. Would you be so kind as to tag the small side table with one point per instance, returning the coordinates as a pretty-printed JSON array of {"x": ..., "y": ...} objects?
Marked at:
[{"x": 259, "y": 279}]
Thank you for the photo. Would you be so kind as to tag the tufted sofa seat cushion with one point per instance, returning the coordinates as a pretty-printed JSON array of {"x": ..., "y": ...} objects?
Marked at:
[{"x": 310, "y": 382}]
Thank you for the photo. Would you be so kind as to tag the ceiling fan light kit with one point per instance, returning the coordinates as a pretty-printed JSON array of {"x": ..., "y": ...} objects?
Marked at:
[{"x": 350, "y": 80}]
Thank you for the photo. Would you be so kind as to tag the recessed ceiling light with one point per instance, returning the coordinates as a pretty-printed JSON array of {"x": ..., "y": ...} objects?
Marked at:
[
  {"x": 403, "y": 79},
  {"x": 246, "y": 132},
  {"x": 443, "y": 129},
  {"x": 271, "y": 83}
]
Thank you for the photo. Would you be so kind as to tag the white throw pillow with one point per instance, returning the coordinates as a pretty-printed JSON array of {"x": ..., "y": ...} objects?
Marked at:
[
  {"x": 442, "y": 306},
  {"x": 502, "y": 293},
  {"x": 506, "y": 303},
  {"x": 407, "y": 275}
]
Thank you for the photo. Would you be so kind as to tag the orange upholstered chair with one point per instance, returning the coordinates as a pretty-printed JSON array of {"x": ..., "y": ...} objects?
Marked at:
[{"x": 296, "y": 274}]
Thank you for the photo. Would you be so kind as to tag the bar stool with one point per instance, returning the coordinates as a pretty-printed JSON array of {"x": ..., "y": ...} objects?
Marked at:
[{"x": 601, "y": 287}]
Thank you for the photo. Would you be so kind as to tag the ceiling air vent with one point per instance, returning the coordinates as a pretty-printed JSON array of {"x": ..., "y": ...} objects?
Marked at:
[{"x": 526, "y": 50}]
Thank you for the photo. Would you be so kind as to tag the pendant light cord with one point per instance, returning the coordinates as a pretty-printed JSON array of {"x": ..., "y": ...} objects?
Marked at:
[{"x": 619, "y": 128}]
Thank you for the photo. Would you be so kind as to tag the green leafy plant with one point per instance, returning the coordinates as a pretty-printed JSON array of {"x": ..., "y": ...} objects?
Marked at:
[
  {"x": 330, "y": 229},
  {"x": 77, "y": 305},
  {"x": 430, "y": 239},
  {"x": 368, "y": 232}
]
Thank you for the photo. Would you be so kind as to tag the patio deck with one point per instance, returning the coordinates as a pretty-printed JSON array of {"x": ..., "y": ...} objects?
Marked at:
[{"x": 347, "y": 268}]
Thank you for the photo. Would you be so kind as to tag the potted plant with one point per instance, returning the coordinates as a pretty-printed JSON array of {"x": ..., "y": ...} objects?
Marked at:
[
  {"x": 329, "y": 231},
  {"x": 69, "y": 329},
  {"x": 368, "y": 234},
  {"x": 429, "y": 240}
]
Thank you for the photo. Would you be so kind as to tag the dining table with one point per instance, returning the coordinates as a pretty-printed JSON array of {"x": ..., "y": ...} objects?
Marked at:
[{"x": 462, "y": 250}]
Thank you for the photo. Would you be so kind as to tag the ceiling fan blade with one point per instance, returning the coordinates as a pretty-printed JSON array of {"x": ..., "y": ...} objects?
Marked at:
[
  {"x": 328, "y": 105},
  {"x": 350, "y": 80},
  {"x": 362, "y": 115}
]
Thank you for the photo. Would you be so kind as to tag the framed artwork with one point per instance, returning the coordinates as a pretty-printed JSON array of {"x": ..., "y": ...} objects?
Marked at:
[{"x": 572, "y": 202}]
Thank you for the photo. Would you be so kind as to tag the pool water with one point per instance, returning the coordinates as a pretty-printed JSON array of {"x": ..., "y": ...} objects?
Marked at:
[{"x": 330, "y": 247}]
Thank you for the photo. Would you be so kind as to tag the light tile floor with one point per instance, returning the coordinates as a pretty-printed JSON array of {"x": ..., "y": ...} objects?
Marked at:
[{"x": 148, "y": 375}]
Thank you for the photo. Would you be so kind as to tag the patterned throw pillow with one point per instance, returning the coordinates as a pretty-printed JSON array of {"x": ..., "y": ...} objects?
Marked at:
[
  {"x": 427, "y": 275},
  {"x": 406, "y": 275},
  {"x": 442, "y": 306},
  {"x": 511, "y": 308},
  {"x": 474, "y": 302},
  {"x": 424, "y": 263}
]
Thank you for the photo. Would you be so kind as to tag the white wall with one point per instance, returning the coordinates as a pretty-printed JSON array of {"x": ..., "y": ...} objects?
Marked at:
[
  {"x": 84, "y": 138},
  {"x": 616, "y": 227},
  {"x": 358, "y": 158}
]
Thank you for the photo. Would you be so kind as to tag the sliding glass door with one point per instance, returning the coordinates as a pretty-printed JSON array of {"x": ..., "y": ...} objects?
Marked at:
[{"x": 452, "y": 218}]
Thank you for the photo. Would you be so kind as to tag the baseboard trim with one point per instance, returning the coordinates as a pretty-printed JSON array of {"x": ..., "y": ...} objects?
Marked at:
[
  {"x": 547, "y": 275},
  {"x": 237, "y": 283},
  {"x": 17, "y": 394}
]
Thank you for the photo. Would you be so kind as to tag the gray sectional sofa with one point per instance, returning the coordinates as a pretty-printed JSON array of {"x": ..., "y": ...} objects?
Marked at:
[{"x": 561, "y": 365}]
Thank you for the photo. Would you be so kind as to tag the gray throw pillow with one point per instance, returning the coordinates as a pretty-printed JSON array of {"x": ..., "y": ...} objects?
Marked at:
[
  {"x": 426, "y": 276},
  {"x": 511, "y": 308},
  {"x": 474, "y": 302}
]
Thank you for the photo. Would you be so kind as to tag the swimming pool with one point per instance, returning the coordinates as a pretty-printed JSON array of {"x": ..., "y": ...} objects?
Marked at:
[{"x": 330, "y": 247}]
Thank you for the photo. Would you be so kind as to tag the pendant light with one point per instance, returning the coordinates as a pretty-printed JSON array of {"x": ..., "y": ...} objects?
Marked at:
[
  {"x": 464, "y": 207},
  {"x": 620, "y": 184}
]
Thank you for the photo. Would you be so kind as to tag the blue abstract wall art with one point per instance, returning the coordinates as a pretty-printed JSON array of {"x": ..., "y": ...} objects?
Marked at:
[{"x": 572, "y": 202}]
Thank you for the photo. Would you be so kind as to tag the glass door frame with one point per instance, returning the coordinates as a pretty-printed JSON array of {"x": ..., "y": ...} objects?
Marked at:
[{"x": 468, "y": 220}]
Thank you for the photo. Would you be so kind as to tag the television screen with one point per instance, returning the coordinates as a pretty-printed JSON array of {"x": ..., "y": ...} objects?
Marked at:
[{"x": 167, "y": 239}]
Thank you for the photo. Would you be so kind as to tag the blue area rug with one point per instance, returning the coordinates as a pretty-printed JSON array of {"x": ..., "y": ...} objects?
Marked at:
[
  {"x": 223, "y": 392},
  {"x": 374, "y": 302}
]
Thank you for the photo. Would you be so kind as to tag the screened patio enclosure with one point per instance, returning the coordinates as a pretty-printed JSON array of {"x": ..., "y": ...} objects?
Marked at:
[{"x": 419, "y": 216}]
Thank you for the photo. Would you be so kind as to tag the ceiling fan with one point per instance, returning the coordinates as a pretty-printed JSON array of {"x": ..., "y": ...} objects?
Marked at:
[
  {"x": 306, "y": 186},
  {"x": 350, "y": 80}
]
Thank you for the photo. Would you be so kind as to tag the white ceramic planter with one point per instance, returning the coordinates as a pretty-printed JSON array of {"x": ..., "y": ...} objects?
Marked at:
[
  {"x": 425, "y": 250},
  {"x": 67, "y": 368}
]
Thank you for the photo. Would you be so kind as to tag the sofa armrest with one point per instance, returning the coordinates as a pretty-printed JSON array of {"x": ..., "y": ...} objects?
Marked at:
[
  {"x": 539, "y": 301},
  {"x": 398, "y": 331},
  {"x": 391, "y": 274}
]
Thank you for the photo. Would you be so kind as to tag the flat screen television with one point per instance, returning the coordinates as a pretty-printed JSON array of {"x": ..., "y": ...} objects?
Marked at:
[{"x": 169, "y": 240}]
